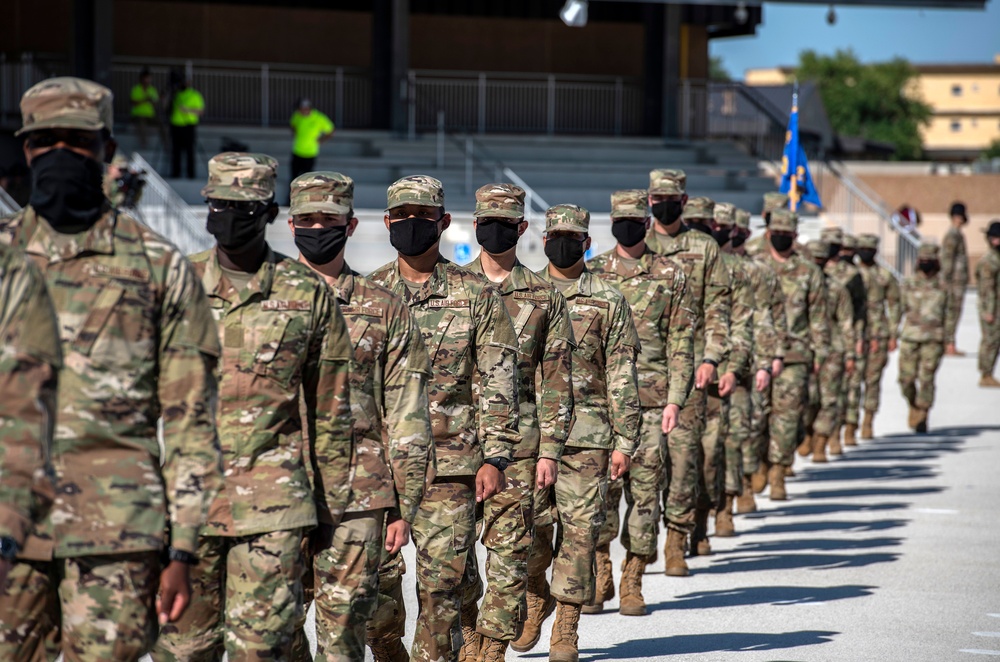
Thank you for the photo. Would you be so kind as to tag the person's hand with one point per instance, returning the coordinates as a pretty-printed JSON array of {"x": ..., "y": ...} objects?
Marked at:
[
  {"x": 816, "y": 367},
  {"x": 545, "y": 473},
  {"x": 892, "y": 344},
  {"x": 670, "y": 415},
  {"x": 873, "y": 346},
  {"x": 397, "y": 533},
  {"x": 859, "y": 348},
  {"x": 777, "y": 365},
  {"x": 726, "y": 384},
  {"x": 175, "y": 592},
  {"x": 989, "y": 319},
  {"x": 5, "y": 568},
  {"x": 849, "y": 366},
  {"x": 762, "y": 380},
  {"x": 489, "y": 481},
  {"x": 705, "y": 374},
  {"x": 620, "y": 462}
]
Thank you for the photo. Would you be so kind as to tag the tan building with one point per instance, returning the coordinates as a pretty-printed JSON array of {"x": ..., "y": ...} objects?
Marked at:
[{"x": 965, "y": 99}]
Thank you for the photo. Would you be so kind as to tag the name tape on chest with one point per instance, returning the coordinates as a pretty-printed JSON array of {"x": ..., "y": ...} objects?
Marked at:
[
  {"x": 361, "y": 310},
  {"x": 448, "y": 303},
  {"x": 531, "y": 296},
  {"x": 280, "y": 304},
  {"x": 596, "y": 303},
  {"x": 122, "y": 273}
]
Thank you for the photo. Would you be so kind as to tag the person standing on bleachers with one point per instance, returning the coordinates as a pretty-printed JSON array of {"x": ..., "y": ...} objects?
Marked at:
[
  {"x": 186, "y": 108},
  {"x": 144, "y": 99},
  {"x": 310, "y": 128}
]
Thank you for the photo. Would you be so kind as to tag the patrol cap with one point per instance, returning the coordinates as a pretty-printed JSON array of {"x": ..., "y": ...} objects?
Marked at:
[
  {"x": 832, "y": 236},
  {"x": 630, "y": 203},
  {"x": 325, "y": 192},
  {"x": 698, "y": 208},
  {"x": 725, "y": 213},
  {"x": 667, "y": 182},
  {"x": 499, "y": 201},
  {"x": 241, "y": 176},
  {"x": 818, "y": 247},
  {"x": 957, "y": 208},
  {"x": 66, "y": 103},
  {"x": 774, "y": 200},
  {"x": 928, "y": 251},
  {"x": 850, "y": 242},
  {"x": 868, "y": 240},
  {"x": 415, "y": 190},
  {"x": 784, "y": 220},
  {"x": 567, "y": 217},
  {"x": 742, "y": 219},
  {"x": 994, "y": 229}
]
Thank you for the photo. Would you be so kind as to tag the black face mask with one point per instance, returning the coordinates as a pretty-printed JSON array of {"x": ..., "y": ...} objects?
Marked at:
[
  {"x": 700, "y": 227},
  {"x": 929, "y": 268},
  {"x": 321, "y": 245},
  {"x": 67, "y": 190},
  {"x": 234, "y": 229},
  {"x": 848, "y": 258},
  {"x": 739, "y": 240},
  {"x": 834, "y": 251},
  {"x": 867, "y": 255},
  {"x": 564, "y": 252},
  {"x": 722, "y": 235},
  {"x": 496, "y": 236},
  {"x": 667, "y": 211},
  {"x": 413, "y": 236},
  {"x": 781, "y": 242},
  {"x": 629, "y": 231}
]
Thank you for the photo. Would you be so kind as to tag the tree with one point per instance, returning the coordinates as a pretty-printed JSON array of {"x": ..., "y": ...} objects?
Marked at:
[
  {"x": 993, "y": 151},
  {"x": 873, "y": 101},
  {"x": 717, "y": 70}
]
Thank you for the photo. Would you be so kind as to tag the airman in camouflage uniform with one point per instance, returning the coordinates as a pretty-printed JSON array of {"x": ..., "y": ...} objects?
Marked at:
[
  {"x": 468, "y": 334},
  {"x": 603, "y": 438},
  {"x": 884, "y": 313},
  {"x": 656, "y": 289},
  {"x": 545, "y": 396},
  {"x": 825, "y": 410},
  {"x": 807, "y": 340},
  {"x": 955, "y": 271},
  {"x": 138, "y": 344},
  {"x": 988, "y": 283},
  {"x": 772, "y": 200},
  {"x": 927, "y": 315},
  {"x": 30, "y": 359},
  {"x": 392, "y": 430},
  {"x": 708, "y": 282},
  {"x": 283, "y": 405}
]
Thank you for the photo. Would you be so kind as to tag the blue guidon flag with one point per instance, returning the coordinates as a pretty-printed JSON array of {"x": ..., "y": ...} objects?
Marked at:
[{"x": 796, "y": 182}]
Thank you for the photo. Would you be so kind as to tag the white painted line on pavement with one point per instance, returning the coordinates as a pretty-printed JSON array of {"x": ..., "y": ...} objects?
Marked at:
[
  {"x": 994, "y": 615},
  {"x": 987, "y": 634},
  {"x": 936, "y": 511},
  {"x": 979, "y": 651}
]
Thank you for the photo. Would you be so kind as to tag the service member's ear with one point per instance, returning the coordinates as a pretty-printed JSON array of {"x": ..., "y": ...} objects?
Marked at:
[
  {"x": 445, "y": 222},
  {"x": 586, "y": 244},
  {"x": 385, "y": 219},
  {"x": 291, "y": 226},
  {"x": 110, "y": 148},
  {"x": 271, "y": 213},
  {"x": 352, "y": 225},
  {"x": 522, "y": 227},
  {"x": 648, "y": 222}
]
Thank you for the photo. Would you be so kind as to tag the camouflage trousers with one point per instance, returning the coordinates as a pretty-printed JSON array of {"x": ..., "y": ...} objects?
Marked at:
[
  {"x": 715, "y": 476},
  {"x": 989, "y": 346},
  {"x": 824, "y": 413},
  {"x": 579, "y": 498},
  {"x": 955, "y": 303},
  {"x": 507, "y": 534},
  {"x": 246, "y": 598},
  {"x": 855, "y": 381},
  {"x": 760, "y": 436},
  {"x": 684, "y": 451},
  {"x": 642, "y": 486},
  {"x": 874, "y": 367},
  {"x": 789, "y": 397},
  {"x": 389, "y": 620},
  {"x": 918, "y": 362},
  {"x": 739, "y": 446},
  {"x": 343, "y": 581},
  {"x": 89, "y": 608}
]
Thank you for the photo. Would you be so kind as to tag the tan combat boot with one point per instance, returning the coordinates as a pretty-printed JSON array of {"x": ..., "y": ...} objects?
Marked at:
[
  {"x": 850, "y": 434},
  {"x": 631, "y": 602},
  {"x": 745, "y": 502},
  {"x": 819, "y": 449},
  {"x": 673, "y": 554},
  {"x": 388, "y": 649},
  {"x": 921, "y": 419},
  {"x": 563, "y": 645},
  {"x": 605, "y": 581},
  {"x": 867, "y": 425},
  {"x": 789, "y": 472},
  {"x": 989, "y": 381},
  {"x": 776, "y": 482},
  {"x": 699, "y": 537},
  {"x": 758, "y": 481},
  {"x": 493, "y": 650},
  {"x": 540, "y": 606},
  {"x": 911, "y": 421},
  {"x": 724, "y": 527},
  {"x": 806, "y": 446},
  {"x": 833, "y": 446},
  {"x": 471, "y": 639}
]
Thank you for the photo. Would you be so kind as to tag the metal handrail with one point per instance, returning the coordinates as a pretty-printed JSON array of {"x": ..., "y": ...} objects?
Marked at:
[
  {"x": 8, "y": 205},
  {"x": 165, "y": 212}
]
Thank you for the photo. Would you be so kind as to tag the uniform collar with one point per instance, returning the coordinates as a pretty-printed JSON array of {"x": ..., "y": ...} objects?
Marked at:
[
  {"x": 44, "y": 241},
  {"x": 616, "y": 263},
  {"x": 435, "y": 286},
  {"x": 260, "y": 283},
  {"x": 583, "y": 285},
  {"x": 344, "y": 286},
  {"x": 514, "y": 282}
]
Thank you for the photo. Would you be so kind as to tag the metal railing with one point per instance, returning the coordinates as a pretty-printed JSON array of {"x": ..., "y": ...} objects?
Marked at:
[
  {"x": 7, "y": 204},
  {"x": 731, "y": 111},
  {"x": 166, "y": 213}
]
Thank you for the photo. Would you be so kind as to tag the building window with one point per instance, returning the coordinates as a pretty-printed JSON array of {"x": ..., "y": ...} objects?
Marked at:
[
  {"x": 956, "y": 126},
  {"x": 956, "y": 90},
  {"x": 973, "y": 120}
]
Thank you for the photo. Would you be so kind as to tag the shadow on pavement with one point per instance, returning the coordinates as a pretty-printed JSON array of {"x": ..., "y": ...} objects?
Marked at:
[
  {"x": 812, "y": 509},
  {"x": 759, "y": 595},
  {"x": 818, "y": 544},
  {"x": 834, "y": 525},
  {"x": 796, "y": 561},
  {"x": 865, "y": 473},
  {"x": 691, "y": 644},
  {"x": 867, "y": 492},
  {"x": 959, "y": 431}
]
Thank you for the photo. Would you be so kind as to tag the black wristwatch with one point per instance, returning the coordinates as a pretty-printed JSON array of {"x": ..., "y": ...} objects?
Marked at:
[
  {"x": 499, "y": 463},
  {"x": 8, "y": 548},
  {"x": 711, "y": 362},
  {"x": 181, "y": 556}
]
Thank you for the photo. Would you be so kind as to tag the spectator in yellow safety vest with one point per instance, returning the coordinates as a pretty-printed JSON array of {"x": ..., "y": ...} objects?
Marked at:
[
  {"x": 145, "y": 100},
  {"x": 310, "y": 128},
  {"x": 186, "y": 109}
]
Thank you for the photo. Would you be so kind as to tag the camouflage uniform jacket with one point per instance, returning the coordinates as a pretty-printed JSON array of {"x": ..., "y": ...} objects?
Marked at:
[
  {"x": 389, "y": 373},
  {"x": 468, "y": 333},
  {"x": 138, "y": 344},
  {"x": 884, "y": 308},
  {"x": 847, "y": 275},
  {"x": 605, "y": 382},
  {"x": 988, "y": 283},
  {"x": 926, "y": 312},
  {"x": 768, "y": 334},
  {"x": 29, "y": 338},
  {"x": 954, "y": 259},
  {"x": 840, "y": 308},
  {"x": 708, "y": 282},
  {"x": 807, "y": 335},
  {"x": 285, "y": 349},
  {"x": 656, "y": 290},
  {"x": 545, "y": 362},
  {"x": 741, "y": 319},
  {"x": 758, "y": 246}
]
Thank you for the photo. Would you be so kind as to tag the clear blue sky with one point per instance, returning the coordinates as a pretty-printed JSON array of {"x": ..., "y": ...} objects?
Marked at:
[{"x": 876, "y": 34}]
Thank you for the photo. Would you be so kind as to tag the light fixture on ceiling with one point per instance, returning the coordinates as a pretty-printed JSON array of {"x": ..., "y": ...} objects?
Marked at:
[
  {"x": 574, "y": 13},
  {"x": 741, "y": 14},
  {"x": 831, "y": 16}
]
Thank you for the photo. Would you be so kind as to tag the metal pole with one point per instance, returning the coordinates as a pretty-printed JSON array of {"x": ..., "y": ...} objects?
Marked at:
[
  {"x": 189, "y": 70},
  {"x": 552, "y": 105},
  {"x": 619, "y": 105},
  {"x": 339, "y": 106},
  {"x": 3, "y": 88},
  {"x": 265, "y": 95},
  {"x": 440, "y": 140},
  {"x": 411, "y": 100},
  {"x": 482, "y": 103},
  {"x": 468, "y": 166}
]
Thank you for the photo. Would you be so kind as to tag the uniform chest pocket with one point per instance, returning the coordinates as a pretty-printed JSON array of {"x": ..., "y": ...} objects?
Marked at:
[
  {"x": 587, "y": 330},
  {"x": 368, "y": 341},
  {"x": 451, "y": 340},
  {"x": 932, "y": 304},
  {"x": 119, "y": 331},
  {"x": 279, "y": 341}
]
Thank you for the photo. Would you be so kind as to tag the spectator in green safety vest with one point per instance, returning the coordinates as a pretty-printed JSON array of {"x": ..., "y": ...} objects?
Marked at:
[
  {"x": 310, "y": 128},
  {"x": 145, "y": 99},
  {"x": 186, "y": 108}
]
